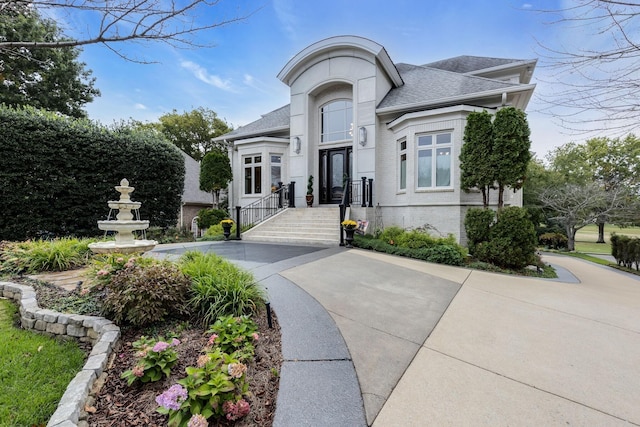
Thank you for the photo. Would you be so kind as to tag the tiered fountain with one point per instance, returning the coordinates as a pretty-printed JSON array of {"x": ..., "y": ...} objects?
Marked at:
[{"x": 124, "y": 226}]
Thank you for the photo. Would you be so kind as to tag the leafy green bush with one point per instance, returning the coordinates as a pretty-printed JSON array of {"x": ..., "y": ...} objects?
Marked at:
[
  {"x": 154, "y": 358},
  {"x": 391, "y": 234},
  {"x": 140, "y": 295},
  {"x": 512, "y": 240},
  {"x": 443, "y": 250},
  {"x": 215, "y": 387},
  {"x": 219, "y": 288},
  {"x": 48, "y": 173},
  {"x": 43, "y": 255},
  {"x": 234, "y": 335},
  {"x": 169, "y": 235},
  {"x": 477, "y": 224},
  {"x": 554, "y": 240},
  {"x": 209, "y": 217},
  {"x": 625, "y": 250}
]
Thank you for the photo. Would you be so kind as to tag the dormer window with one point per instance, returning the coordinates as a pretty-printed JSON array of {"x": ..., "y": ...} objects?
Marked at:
[{"x": 337, "y": 121}]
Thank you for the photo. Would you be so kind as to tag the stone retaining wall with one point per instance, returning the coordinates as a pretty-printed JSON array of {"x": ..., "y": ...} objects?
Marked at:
[{"x": 100, "y": 332}]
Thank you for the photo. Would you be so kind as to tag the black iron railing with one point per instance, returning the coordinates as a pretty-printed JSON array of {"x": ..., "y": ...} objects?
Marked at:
[
  {"x": 260, "y": 210},
  {"x": 355, "y": 192}
]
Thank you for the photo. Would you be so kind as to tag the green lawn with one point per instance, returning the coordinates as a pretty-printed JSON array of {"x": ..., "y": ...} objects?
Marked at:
[
  {"x": 34, "y": 372},
  {"x": 586, "y": 238}
]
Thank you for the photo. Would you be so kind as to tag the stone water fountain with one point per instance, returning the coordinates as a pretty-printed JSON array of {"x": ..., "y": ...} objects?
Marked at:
[{"x": 124, "y": 226}]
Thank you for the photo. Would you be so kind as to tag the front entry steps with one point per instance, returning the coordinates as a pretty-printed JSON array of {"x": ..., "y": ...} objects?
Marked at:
[{"x": 308, "y": 226}]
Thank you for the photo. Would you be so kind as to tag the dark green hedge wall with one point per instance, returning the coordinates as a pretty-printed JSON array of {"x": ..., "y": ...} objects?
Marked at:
[{"x": 57, "y": 174}]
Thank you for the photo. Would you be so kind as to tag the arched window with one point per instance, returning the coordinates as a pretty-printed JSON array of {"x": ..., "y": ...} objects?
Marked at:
[{"x": 337, "y": 121}]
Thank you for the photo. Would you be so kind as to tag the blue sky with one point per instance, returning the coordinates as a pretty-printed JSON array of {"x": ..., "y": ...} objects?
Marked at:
[{"x": 237, "y": 78}]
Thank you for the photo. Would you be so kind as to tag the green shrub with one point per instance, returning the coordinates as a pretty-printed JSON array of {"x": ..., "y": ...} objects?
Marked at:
[
  {"x": 154, "y": 358},
  {"x": 43, "y": 255},
  {"x": 49, "y": 166},
  {"x": 391, "y": 234},
  {"x": 444, "y": 251},
  {"x": 140, "y": 295},
  {"x": 477, "y": 224},
  {"x": 209, "y": 217},
  {"x": 235, "y": 335},
  {"x": 169, "y": 235},
  {"x": 219, "y": 288},
  {"x": 512, "y": 240},
  {"x": 554, "y": 240}
]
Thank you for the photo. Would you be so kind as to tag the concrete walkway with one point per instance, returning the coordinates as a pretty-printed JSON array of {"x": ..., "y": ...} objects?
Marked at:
[{"x": 372, "y": 339}]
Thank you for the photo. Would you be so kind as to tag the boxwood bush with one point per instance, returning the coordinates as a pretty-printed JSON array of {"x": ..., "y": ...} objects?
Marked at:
[{"x": 57, "y": 174}]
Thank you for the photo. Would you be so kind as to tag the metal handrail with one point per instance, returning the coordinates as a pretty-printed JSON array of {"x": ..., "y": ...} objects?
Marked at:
[{"x": 263, "y": 209}]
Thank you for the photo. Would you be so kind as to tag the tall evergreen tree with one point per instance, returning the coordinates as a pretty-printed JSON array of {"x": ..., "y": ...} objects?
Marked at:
[
  {"x": 476, "y": 155},
  {"x": 215, "y": 174},
  {"x": 47, "y": 78},
  {"x": 511, "y": 147}
]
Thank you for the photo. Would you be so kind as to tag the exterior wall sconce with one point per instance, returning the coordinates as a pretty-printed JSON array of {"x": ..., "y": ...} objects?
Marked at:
[
  {"x": 362, "y": 135},
  {"x": 296, "y": 144}
]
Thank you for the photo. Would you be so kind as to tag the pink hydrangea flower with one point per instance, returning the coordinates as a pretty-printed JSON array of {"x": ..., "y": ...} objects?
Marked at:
[
  {"x": 236, "y": 370},
  {"x": 138, "y": 371},
  {"x": 212, "y": 339},
  {"x": 175, "y": 342},
  {"x": 255, "y": 336},
  {"x": 173, "y": 397},
  {"x": 102, "y": 273},
  {"x": 235, "y": 411},
  {"x": 160, "y": 346},
  {"x": 198, "y": 421},
  {"x": 203, "y": 360},
  {"x": 120, "y": 259}
]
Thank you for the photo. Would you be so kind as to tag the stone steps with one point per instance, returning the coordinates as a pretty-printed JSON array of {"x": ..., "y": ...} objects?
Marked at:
[{"x": 311, "y": 226}]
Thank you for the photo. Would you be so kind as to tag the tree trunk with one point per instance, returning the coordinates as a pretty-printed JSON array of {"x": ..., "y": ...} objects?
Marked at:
[
  {"x": 485, "y": 198},
  {"x": 571, "y": 242},
  {"x": 600, "y": 232},
  {"x": 500, "y": 196}
]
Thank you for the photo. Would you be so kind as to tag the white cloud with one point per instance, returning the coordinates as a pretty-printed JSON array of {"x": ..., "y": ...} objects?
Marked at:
[
  {"x": 527, "y": 5},
  {"x": 203, "y": 75},
  {"x": 139, "y": 106}
]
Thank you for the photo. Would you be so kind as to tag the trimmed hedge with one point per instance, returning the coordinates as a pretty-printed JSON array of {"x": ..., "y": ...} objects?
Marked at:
[
  {"x": 626, "y": 250},
  {"x": 443, "y": 252},
  {"x": 57, "y": 174}
]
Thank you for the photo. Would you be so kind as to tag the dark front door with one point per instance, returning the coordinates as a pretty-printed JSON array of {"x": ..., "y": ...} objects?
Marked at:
[{"x": 335, "y": 167}]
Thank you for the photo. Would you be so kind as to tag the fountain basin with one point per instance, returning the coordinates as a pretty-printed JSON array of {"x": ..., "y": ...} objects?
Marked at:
[
  {"x": 122, "y": 248},
  {"x": 123, "y": 226},
  {"x": 114, "y": 204}
]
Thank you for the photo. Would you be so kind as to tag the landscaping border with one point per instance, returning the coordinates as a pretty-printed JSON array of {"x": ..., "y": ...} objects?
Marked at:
[{"x": 102, "y": 333}]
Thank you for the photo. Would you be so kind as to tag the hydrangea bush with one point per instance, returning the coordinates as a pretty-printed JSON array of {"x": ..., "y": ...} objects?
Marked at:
[
  {"x": 154, "y": 358},
  {"x": 216, "y": 386}
]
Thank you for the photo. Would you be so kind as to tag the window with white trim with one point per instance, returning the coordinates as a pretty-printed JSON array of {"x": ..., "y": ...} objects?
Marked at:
[
  {"x": 434, "y": 160},
  {"x": 253, "y": 175},
  {"x": 402, "y": 167},
  {"x": 336, "y": 121},
  {"x": 276, "y": 171}
]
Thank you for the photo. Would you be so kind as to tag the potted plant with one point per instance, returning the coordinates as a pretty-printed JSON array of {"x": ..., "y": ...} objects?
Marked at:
[
  {"x": 226, "y": 227},
  {"x": 349, "y": 226},
  {"x": 310, "y": 191}
]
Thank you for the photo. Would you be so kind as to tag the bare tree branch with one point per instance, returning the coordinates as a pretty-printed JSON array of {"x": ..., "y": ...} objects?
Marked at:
[
  {"x": 169, "y": 21},
  {"x": 593, "y": 85}
]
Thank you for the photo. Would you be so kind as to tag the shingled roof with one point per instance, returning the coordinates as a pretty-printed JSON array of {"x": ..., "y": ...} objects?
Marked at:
[
  {"x": 275, "y": 121},
  {"x": 424, "y": 85},
  {"x": 468, "y": 64}
]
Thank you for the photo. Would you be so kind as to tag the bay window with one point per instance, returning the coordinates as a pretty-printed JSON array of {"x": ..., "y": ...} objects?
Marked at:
[{"x": 434, "y": 160}]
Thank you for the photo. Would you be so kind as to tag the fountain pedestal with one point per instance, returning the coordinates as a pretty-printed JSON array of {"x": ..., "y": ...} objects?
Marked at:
[{"x": 124, "y": 226}]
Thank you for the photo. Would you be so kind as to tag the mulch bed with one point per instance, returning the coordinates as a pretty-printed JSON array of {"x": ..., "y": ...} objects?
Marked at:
[{"x": 116, "y": 404}]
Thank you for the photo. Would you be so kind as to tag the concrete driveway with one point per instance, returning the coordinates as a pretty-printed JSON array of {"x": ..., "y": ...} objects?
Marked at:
[{"x": 434, "y": 345}]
